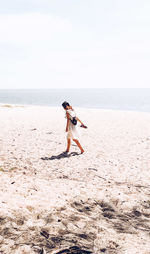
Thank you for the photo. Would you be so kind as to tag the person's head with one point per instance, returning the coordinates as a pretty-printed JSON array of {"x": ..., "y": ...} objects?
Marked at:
[{"x": 66, "y": 105}]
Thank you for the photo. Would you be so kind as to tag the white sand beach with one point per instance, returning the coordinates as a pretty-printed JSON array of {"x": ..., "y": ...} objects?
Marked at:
[{"x": 97, "y": 202}]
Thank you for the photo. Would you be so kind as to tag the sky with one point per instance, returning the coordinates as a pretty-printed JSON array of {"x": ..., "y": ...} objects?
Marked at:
[{"x": 74, "y": 44}]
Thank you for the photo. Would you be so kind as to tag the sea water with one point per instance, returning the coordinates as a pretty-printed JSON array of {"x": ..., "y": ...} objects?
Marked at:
[{"x": 137, "y": 99}]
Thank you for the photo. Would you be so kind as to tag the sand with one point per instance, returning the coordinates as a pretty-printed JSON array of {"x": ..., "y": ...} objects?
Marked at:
[{"x": 97, "y": 202}]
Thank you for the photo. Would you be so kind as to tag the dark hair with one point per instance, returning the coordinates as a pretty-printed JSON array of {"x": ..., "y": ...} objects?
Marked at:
[{"x": 65, "y": 104}]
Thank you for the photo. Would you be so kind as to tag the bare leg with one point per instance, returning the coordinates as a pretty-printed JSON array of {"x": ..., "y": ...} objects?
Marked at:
[
  {"x": 68, "y": 144},
  {"x": 79, "y": 145}
]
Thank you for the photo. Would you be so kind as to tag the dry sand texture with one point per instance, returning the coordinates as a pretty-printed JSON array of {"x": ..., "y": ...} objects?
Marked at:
[{"x": 98, "y": 202}]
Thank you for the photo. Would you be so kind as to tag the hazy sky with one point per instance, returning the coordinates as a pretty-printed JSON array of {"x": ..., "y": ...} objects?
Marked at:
[{"x": 74, "y": 43}]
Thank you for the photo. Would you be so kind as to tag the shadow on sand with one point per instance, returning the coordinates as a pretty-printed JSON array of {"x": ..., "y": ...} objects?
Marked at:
[{"x": 60, "y": 156}]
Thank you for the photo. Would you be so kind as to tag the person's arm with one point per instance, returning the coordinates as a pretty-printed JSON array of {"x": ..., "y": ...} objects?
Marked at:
[
  {"x": 82, "y": 125},
  {"x": 79, "y": 120},
  {"x": 67, "y": 125}
]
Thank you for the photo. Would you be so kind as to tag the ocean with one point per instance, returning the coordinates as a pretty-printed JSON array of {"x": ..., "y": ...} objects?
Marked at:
[{"x": 136, "y": 99}]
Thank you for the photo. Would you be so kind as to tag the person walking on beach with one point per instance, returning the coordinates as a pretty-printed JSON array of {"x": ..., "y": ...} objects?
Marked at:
[{"x": 71, "y": 127}]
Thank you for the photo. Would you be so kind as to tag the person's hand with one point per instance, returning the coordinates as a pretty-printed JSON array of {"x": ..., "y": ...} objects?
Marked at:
[{"x": 83, "y": 126}]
